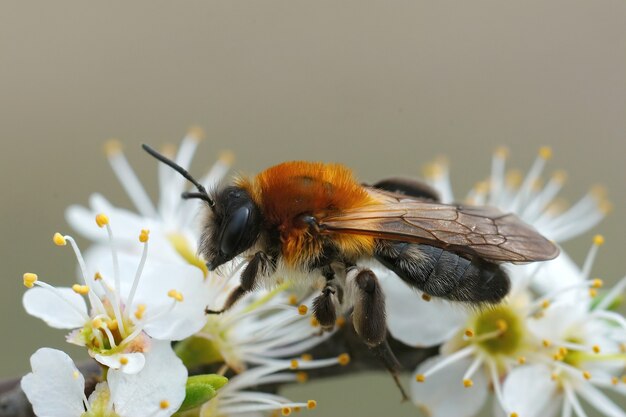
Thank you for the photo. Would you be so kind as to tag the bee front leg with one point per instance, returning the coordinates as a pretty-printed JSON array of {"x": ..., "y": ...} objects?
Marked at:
[
  {"x": 260, "y": 265},
  {"x": 369, "y": 319}
]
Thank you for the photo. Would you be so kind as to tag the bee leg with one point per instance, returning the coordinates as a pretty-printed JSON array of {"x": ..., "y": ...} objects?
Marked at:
[
  {"x": 324, "y": 307},
  {"x": 260, "y": 265},
  {"x": 368, "y": 317}
]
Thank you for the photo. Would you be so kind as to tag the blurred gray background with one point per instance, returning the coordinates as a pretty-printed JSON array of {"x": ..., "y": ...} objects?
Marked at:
[{"x": 382, "y": 86}]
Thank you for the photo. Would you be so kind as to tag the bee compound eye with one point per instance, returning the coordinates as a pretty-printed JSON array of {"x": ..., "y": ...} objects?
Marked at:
[{"x": 233, "y": 231}]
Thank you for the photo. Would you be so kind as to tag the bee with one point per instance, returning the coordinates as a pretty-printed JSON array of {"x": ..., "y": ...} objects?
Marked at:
[{"x": 315, "y": 220}]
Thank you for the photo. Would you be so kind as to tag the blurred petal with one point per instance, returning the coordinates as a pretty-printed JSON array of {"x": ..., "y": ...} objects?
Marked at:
[
  {"x": 599, "y": 401},
  {"x": 161, "y": 382},
  {"x": 443, "y": 393},
  {"x": 51, "y": 307},
  {"x": 55, "y": 387},
  {"x": 528, "y": 390}
]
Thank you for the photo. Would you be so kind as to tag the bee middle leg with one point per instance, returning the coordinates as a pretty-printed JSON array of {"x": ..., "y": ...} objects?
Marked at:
[
  {"x": 260, "y": 265},
  {"x": 369, "y": 319}
]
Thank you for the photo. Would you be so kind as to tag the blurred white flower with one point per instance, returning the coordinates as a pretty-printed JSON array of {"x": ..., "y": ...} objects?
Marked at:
[
  {"x": 56, "y": 388},
  {"x": 132, "y": 303}
]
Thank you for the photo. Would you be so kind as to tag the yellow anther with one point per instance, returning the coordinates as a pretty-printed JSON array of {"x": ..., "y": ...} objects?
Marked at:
[
  {"x": 501, "y": 152},
  {"x": 469, "y": 333},
  {"x": 340, "y": 322},
  {"x": 593, "y": 293},
  {"x": 482, "y": 187},
  {"x": 433, "y": 170},
  {"x": 112, "y": 325},
  {"x": 293, "y": 300},
  {"x": 502, "y": 325},
  {"x": 311, "y": 404},
  {"x": 297, "y": 409},
  {"x": 196, "y": 132},
  {"x": 598, "y": 240},
  {"x": 545, "y": 152},
  {"x": 97, "y": 276},
  {"x": 227, "y": 157},
  {"x": 286, "y": 411},
  {"x": 164, "y": 404},
  {"x": 30, "y": 279},
  {"x": 124, "y": 360},
  {"x": 80, "y": 289},
  {"x": 605, "y": 206},
  {"x": 624, "y": 379},
  {"x": 420, "y": 378},
  {"x": 467, "y": 383},
  {"x": 622, "y": 347},
  {"x": 343, "y": 359},
  {"x": 294, "y": 364},
  {"x": 97, "y": 323},
  {"x": 554, "y": 376},
  {"x": 302, "y": 309},
  {"x": 615, "y": 380},
  {"x": 563, "y": 351},
  {"x": 514, "y": 414},
  {"x": 59, "y": 239},
  {"x": 168, "y": 149},
  {"x": 557, "y": 357},
  {"x": 586, "y": 375},
  {"x": 599, "y": 191},
  {"x": 102, "y": 220},
  {"x": 314, "y": 322},
  {"x": 176, "y": 295},
  {"x": 514, "y": 178},
  {"x": 302, "y": 377},
  {"x": 545, "y": 304},
  {"x": 596, "y": 349},
  {"x": 112, "y": 147},
  {"x": 559, "y": 176},
  {"x": 426, "y": 297},
  {"x": 597, "y": 283},
  {"x": 144, "y": 235},
  {"x": 141, "y": 308},
  {"x": 521, "y": 360},
  {"x": 75, "y": 374},
  {"x": 546, "y": 343}
]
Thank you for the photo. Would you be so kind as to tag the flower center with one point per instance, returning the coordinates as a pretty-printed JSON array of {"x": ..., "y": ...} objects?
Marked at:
[{"x": 498, "y": 330}]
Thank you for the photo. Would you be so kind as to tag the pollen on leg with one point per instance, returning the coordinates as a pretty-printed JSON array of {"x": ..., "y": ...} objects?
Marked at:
[
  {"x": 302, "y": 309},
  {"x": 29, "y": 279},
  {"x": 164, "y": 404},
  {"x": 80, "y": 289},
  {"x": 59, "y": 239},
  {"x": 102, "y": 220},
  {"x": 343, "y": 359},
  {"x": 311, "y": 404},
  {"x": 176, "y": 295}
]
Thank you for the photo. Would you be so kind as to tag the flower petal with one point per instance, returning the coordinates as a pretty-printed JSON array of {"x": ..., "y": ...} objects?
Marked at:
[
  {"x": 529, "y": 391},
  {"x": 133, "y": 362},
  {"x": 158, "y": 390},
  {"x": 599, "y": 401},
  {"x": 443, "y": 393},
  {"x": 58, "y": 309},
  {"x": 414, "y": 321},
  {"x": 55, "y": 387}
]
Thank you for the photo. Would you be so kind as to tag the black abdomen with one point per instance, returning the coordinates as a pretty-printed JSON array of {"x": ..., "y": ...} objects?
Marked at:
[{"x": 442, "y": 273}]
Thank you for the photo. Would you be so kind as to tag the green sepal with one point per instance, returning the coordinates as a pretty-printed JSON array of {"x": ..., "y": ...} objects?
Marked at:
[
  {"x": 200, "y": 389},
  {"x": 197, "y": 351},
  {"x": 614, "y": 306}
]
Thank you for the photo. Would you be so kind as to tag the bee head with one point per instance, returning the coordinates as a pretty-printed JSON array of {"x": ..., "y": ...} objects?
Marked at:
[{"x": 232, "y": 226}]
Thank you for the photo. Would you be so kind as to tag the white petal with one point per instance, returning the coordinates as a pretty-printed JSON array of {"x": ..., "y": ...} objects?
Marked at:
[
  {"x": 557, "y": 274},
  {"x": 557, "y": 322},
  {"x": 162, "y": 379},
  {"x": 443, "y": 393},
  {"x": 56, "y": 309},
  {"x": 55, "y": 387},
  {"x": 600, "y": 401},
  {"x": 529, "y": 390},
  {"x": 414, "y": 321},
  {"x": 134, "y": 361}
]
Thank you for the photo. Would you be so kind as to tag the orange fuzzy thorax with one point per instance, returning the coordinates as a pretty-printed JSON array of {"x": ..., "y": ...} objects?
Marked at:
[{"x": 288, "y": 190}]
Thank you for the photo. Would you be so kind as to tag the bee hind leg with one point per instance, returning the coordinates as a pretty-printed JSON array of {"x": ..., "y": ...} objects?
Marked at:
[{"x": 369, "y": 319}]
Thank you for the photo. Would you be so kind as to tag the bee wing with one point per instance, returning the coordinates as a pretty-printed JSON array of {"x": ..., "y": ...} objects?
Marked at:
[{"x": 482, "y": 231}]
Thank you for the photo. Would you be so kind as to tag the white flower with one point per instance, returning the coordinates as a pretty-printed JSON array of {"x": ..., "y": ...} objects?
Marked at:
[
  {"x": 56, "y": 388},
  {"x": 494, "y": 341},
  {"x": 533, "y": 203},
  {"x": 132, "y": 303}
]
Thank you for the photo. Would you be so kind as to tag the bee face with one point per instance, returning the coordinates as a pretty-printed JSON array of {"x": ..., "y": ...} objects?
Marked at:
[{"x": 232, "y": 226}]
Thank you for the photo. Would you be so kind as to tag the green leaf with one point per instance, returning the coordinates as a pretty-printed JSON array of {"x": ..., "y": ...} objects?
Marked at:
[
  {"x": 197, "y": 351},
  {"x": 200, "y": 389}
]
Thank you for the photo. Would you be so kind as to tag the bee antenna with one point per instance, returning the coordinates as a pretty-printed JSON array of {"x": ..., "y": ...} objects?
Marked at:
[{"x": 202, "y": 194}]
